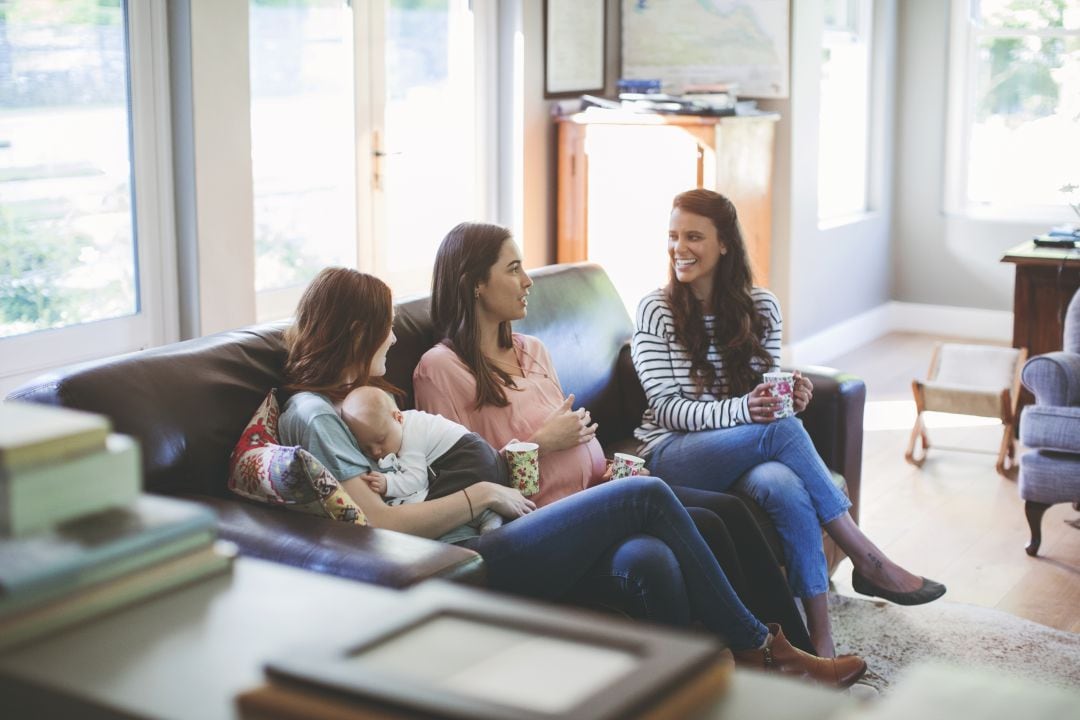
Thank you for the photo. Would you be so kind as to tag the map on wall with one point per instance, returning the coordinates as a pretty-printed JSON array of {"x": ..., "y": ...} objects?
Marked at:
[{"x": 708, "y": 41}]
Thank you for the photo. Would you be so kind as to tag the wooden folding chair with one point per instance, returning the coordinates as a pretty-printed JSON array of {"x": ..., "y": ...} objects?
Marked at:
[{"x": 982, "y": 380}]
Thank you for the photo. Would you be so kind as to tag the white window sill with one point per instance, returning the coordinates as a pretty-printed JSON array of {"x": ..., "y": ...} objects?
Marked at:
[
  {"x": 838, "y": 221},
  {"x": 1039, "y": 215}
]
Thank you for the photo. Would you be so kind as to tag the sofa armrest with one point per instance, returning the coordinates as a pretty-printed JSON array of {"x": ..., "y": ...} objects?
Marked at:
[
  {"x": 373, "y": 555},
  {"x": 1054, "y": 378},
  {"x": 834, "y": 420}
]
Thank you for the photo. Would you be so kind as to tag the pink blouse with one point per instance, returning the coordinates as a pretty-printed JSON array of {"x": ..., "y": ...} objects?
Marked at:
[{"x": 445, "y": 385}]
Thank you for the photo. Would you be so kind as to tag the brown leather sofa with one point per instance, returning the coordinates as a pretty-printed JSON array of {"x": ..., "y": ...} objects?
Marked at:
[{"x": 188, "y": 402}]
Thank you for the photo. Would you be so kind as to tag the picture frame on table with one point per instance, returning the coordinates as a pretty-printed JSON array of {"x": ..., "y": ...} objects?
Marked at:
[
  {"x": 575, "y": 47},
  {"x": 475, "y": 656}
]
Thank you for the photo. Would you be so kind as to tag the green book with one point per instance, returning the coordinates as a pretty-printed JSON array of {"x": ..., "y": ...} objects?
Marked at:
[
  {"x": 103, "y": 572},
  {"x": 31, "y": 433},
  {"x": 115, "y": 594},
  {"x": 58, "y": 556},
  {"x": 39, "y": 496}
]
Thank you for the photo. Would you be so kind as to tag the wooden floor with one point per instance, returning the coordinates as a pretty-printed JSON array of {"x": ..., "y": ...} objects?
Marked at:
[{"x": 955, "y": 519}]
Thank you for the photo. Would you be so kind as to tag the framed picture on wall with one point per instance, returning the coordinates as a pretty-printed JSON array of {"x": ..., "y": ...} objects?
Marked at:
[
  {"x": 690, "y": 42},
  {"x": 574, "y": 47}
]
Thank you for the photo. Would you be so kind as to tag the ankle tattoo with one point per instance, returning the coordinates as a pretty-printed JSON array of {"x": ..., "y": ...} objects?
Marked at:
[{"x": 875, "y": 559}]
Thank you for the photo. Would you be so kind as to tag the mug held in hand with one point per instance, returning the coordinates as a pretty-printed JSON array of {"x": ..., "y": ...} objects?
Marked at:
[
  {"x": 781, "y": 385},
  {"x": 524, "y": 461},
  {"x": 625, "y": 465}
]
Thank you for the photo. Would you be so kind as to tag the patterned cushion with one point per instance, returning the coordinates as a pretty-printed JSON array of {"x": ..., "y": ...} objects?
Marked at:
[{"x": 262, "y": 470}]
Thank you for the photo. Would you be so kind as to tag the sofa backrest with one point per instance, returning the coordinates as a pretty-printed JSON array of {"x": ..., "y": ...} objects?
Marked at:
[
  {"x": 188, "y": 402},
  {"x": 1071, "y": 337}
]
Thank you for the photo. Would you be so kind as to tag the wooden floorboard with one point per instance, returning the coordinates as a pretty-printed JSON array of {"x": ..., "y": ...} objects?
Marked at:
[{"x": 955, "y": 519}]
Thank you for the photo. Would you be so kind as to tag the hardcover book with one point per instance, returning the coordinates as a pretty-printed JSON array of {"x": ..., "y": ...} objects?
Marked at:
[
  {"x": 38, "y": 496},
  {"x": 59, "y": 555},
  {"x": 114, "y": 594},
  {"x": 32, "y": 433}
]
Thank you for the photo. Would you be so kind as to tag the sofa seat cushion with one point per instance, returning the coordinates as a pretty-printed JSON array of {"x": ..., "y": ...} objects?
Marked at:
[
  {"x": 1049, "y": 477},
  {"x": 1051, "y": 427},
  {"x": 262, "y": 470}
]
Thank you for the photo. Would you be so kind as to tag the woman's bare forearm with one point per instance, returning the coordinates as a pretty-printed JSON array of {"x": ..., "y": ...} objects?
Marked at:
[{"x": 430, "y": 519}]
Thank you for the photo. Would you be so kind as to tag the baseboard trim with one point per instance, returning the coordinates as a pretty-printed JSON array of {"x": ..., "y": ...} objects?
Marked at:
[{"x": 845, "y": 336}]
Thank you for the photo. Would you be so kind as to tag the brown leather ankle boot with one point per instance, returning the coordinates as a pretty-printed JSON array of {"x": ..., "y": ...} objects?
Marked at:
[{"x": 779, "y": 655}]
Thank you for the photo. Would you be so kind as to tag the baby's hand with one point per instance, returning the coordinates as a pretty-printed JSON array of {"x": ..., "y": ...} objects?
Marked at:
[{"x": 376, "y": 481}]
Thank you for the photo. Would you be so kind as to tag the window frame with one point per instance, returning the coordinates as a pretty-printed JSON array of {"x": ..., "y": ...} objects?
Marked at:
[
  {"x": 959, "y": 117},
  {"x": 155, "y": 321}
]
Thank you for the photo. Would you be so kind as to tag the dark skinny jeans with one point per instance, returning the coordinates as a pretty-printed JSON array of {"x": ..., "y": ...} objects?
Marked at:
[{"x": 632, "y": 533}]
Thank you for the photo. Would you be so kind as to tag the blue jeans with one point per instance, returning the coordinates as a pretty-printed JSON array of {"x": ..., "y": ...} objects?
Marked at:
[
  {"x": 775, "y": 464},
  {"x": 631, "y": 537}
]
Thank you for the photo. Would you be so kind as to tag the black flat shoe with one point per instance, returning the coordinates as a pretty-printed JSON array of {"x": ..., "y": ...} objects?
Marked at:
[{"x": 929, "y": 591}]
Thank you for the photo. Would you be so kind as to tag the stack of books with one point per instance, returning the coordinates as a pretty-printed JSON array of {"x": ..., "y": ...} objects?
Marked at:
[{"x": 78, "y": 538}]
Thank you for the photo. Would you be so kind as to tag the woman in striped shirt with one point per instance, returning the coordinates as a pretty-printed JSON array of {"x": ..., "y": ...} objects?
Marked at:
[{"x": 701, "y": 347}]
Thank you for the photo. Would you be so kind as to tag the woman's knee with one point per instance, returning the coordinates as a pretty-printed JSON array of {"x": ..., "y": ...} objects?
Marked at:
[
  {"x": 653, "y": 576},
  {"x": 774, "y": 484},
  {"x": 790, "y": 429},
  {"x": 648, "y": 487}
]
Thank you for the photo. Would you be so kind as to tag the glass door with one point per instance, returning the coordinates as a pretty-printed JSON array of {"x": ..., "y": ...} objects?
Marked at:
[
  {"x": 426, "y": 128},
  {"x": 364, "y": 138},
  {"x": 302, "y": 146}
]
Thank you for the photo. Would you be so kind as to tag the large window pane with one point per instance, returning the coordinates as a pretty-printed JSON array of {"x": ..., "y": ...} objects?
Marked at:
[
  {"x": 1025, "y": 135},
  {"x": 67, "y": 252},
  {"x": 303, "y": 158}
]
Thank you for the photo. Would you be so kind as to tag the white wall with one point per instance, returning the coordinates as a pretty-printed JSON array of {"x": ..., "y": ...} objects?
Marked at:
[
  {"x": 939, "y": 259},
  {"x": 836, "y": 272},
  {"x": 211, "y": 107}
]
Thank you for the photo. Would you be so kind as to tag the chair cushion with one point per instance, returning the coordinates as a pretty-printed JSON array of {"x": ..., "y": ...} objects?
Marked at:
[
  {"x": 262, "y": 470},
  {"x": 1051, "y": 427},
  {"x": 1049, "y": 477},
  {"x": 976, "y": 366}
]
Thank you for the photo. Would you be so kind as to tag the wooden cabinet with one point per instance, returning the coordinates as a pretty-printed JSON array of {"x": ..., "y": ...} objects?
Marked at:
[
  {"x": 617, "y": 175},
  {"x": 1046, "y": 279}
]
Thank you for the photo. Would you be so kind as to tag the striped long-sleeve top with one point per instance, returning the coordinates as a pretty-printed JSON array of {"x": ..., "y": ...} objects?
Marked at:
[{"x": 663, "y": 366}]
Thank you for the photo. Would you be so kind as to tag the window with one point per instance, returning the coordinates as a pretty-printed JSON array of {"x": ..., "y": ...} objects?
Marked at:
[
  {"x": 80, "y": 87},
  {"x": 1014, "y": 112},
  {"x": 843, "y": 132}
]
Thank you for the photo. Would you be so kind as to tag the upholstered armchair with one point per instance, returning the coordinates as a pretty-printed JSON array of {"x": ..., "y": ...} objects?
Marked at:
[{"x": 1050, "y": 472}]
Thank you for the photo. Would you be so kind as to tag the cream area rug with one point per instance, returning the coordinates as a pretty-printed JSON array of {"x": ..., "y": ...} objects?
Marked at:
[{"x": 890, "y": 637}]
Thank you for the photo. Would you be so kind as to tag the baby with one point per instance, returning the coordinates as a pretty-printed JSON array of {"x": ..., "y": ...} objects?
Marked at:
[{"x": 421, "y": 456}]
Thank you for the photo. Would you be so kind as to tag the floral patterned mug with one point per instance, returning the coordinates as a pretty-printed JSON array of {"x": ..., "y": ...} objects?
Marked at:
[
  {"x": 782, "y": 385},
  {"x": 524, "y": 460}
]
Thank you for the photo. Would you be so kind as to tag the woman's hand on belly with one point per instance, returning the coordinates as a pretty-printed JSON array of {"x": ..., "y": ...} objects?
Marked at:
[{"x": 565, "y": 428}]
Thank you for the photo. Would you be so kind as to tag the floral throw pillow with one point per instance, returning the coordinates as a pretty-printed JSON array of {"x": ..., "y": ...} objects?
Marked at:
[{"x": 262, "y": 470}]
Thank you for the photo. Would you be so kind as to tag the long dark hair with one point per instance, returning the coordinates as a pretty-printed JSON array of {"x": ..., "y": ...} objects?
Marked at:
[
  {"x": 463, "y": 261},
  {"x": 737, "y": 326},
  {"x": 341, "y": 320}
]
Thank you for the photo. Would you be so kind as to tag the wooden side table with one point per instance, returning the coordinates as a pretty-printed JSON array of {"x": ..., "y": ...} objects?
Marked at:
[{"x": 1046, "y": 279}]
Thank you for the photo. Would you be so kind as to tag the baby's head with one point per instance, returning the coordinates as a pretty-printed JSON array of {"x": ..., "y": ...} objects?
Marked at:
[{"x": 374, "y": 420}]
